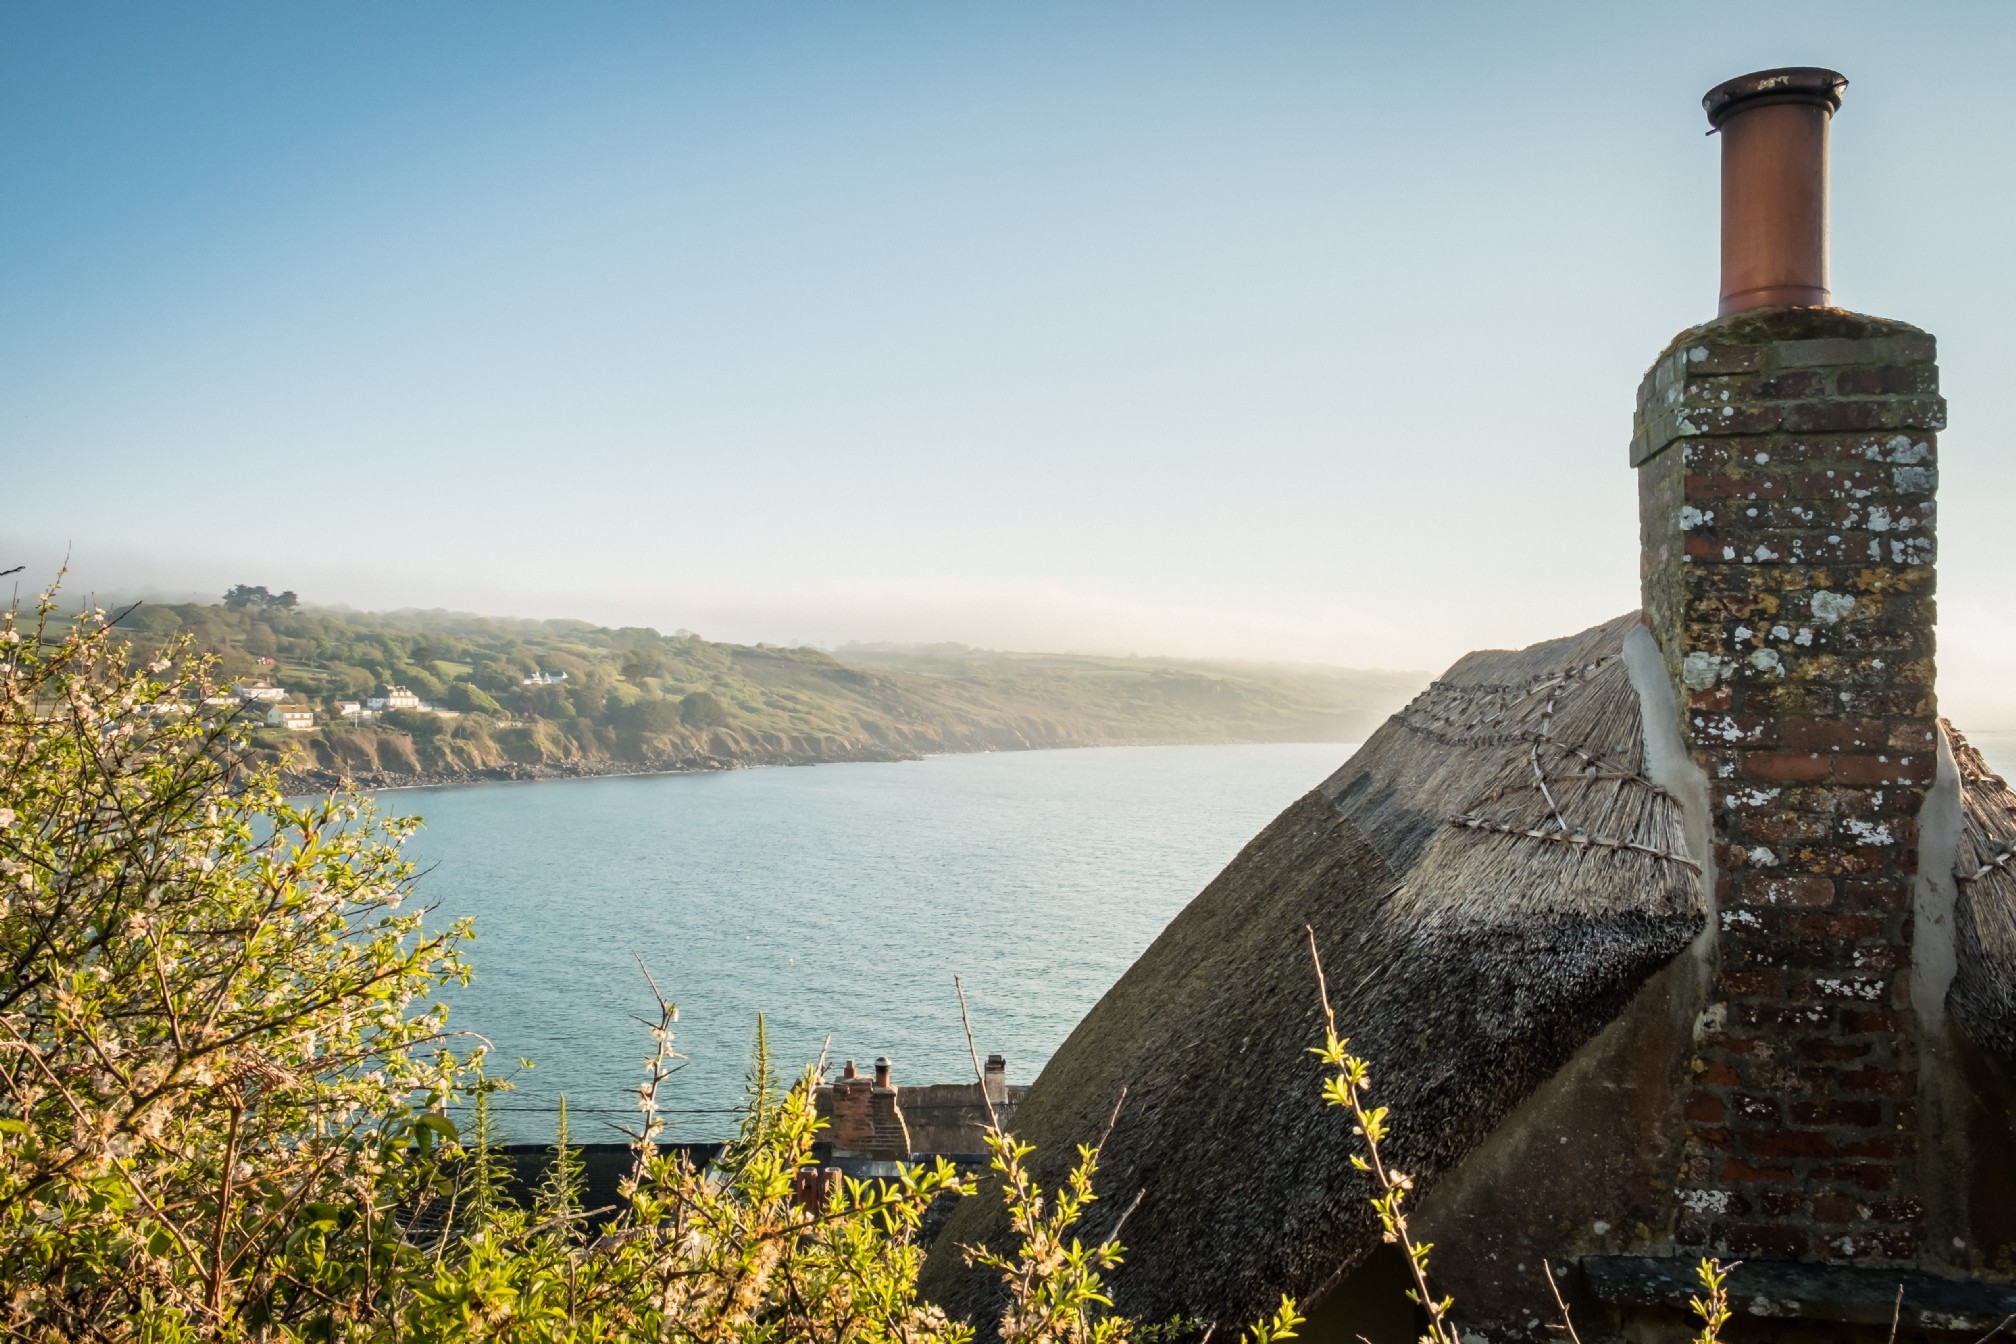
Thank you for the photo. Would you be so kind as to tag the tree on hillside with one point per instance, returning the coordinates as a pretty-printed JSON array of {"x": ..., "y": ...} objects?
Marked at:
[
  {"x": 702, "y": 709},
  {"x": 471, "y": 699},
  {"x": 247, "y": 597}
]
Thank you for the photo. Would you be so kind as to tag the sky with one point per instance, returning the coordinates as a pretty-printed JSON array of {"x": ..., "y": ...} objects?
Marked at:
[{"x": 1285, "y": 330}]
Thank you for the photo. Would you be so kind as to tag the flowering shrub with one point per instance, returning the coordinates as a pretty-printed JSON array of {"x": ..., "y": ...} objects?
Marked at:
[
  {"x": 225, "y": 1078},
  {"x": 216, "y": 1052}
]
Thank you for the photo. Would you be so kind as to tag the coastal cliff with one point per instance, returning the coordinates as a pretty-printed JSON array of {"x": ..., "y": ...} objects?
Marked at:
[{"x": 388, "y": 700}]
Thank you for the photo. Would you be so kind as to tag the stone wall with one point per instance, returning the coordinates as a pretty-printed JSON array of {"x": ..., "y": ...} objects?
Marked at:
[{"x": 1787, "y": 468}]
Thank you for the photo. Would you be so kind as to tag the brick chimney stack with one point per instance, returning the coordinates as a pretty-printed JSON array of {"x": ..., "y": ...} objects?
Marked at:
[
  {"x": 890, "y": 1140},
  {"x": 1786, "y": 457},
  {"x": 994, "y": 1081}
]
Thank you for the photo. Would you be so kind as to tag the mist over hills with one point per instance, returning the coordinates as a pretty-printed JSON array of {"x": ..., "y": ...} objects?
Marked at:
[{"x": 500, "y": 698}]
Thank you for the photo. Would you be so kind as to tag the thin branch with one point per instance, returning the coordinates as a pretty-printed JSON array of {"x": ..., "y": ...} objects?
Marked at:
[
  {"x": 1567, "y": 1321},
  {"x": 979, "y": 1074}
]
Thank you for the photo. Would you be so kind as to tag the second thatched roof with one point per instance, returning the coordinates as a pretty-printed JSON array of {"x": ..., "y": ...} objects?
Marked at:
[{"x": 1489, "y": 880}]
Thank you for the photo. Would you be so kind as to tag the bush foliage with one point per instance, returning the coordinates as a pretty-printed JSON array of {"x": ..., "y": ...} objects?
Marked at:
[{"x": 225, "y": 1083}]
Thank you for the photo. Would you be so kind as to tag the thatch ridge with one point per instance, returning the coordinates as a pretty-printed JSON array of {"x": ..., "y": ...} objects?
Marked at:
[
  {"x": 1467, "y": 962},
  {"x": 1983, "y": 995}
]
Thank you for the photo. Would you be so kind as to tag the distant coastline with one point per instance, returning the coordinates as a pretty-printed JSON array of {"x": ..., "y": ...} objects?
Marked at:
[
  {"x": 316, "y": 781},
  {"x": 421, "y": 699}
]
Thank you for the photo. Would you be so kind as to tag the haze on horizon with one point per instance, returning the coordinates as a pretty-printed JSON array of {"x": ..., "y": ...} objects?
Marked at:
[{"x": 1305, "y": 331}]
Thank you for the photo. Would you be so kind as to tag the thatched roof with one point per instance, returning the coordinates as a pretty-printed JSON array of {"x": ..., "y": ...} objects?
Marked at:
[
  {"x": 1489, "y": 879},
  {"x": 1983, "y": 996}
]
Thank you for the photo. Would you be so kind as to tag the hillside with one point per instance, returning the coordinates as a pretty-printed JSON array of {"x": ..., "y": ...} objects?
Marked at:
[{"x": 518, "y": 699}]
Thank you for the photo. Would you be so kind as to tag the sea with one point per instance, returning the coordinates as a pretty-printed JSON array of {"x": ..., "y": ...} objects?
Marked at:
[{"x": 840, "y": 902}]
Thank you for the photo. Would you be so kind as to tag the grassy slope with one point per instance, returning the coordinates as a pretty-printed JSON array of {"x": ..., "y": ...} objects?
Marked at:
[{"x": 638, "y": 700}]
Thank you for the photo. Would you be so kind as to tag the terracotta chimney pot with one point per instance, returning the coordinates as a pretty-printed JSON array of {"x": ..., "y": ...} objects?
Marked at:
[{"x": 1774, "y": 185}]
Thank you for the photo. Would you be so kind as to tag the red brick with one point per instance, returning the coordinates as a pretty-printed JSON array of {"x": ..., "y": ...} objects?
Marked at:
[
  {"x": 1897, "y": 1211},
  {"x": 1753, "y": 984},
  {"x": 1754, "y": 1173},
  {"x": 1912, "y": 736},
  {"x": 1848, "y": 928},
  {"x": 1833, "y": 734},
  {"x": 1887, "y": 380},
  {"x": 1703, "y": 489},
  {"x": 1786, "y": 827},
  {"x": 1786, "y": 767},
  {"x": 1827, "y": 1049},
  {"x": 1706, "y": 546},
  {"x": 1757, "y": 1109},
  {"x": 1848, "y": 1114},
  {"x": 1878, "y": 1082},
  {"x": 1705, "y": 1109},
  {"x": 1879, "y": 958},
  {"x": 1715, "y": 699},
  {"x": 1768, "y": 1242},
  {"x": 1867, "y": 1175},
  {"x": 1800, "y": 891},
  {"x": 1872, "y": 1020},
  {"x": 1835, "y": 1209},
  {"x": 1781, "y": 1203},
  {"x": 1883, "y": 768},
  {"x": 1787, "y": 1143},
  {"x": 1873, "y": 895},
  {"x": 1716, "y": 1075}
]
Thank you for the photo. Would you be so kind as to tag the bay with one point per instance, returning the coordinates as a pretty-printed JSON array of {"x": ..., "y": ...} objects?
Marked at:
[{"x": 837, "y": 900}]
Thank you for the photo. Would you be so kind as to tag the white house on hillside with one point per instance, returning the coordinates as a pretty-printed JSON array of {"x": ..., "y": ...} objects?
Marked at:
[
  {"x": 545, "y": 678},
  {"x": 259, "y": 690},
  {"x": 294, "y": 718},
  {"x": 395, "y": 697}
]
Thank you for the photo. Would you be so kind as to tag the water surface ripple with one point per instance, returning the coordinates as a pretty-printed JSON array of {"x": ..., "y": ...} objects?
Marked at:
[{"x": 838, "y": 900}]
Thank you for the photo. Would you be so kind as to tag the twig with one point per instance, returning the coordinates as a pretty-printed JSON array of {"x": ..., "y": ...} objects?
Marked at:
[
  {"x": 1348, "y": 1089},
  {"x": 1139, "y": 1195},
  {"x": 2007, "y": 1321},
  {"x": 1567, "y": 1321},
  {"x": 979, "y": 1074},
  {"x": 1897, "y": 1312},
  {"x": 1112, "y": 1119}
]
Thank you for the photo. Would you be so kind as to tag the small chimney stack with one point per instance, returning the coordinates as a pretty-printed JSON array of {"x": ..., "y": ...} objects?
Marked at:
[
  {"x": 1774, "y": 185},
  {"x": 891, "y": 1133},
  {"x": 994, "y": 1083}
]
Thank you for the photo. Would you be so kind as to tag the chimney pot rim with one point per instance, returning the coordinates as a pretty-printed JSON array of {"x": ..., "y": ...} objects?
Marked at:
[{"x": 1812, "y": 85}]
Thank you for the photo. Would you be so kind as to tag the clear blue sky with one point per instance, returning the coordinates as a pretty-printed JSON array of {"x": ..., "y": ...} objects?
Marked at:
[{"x": 1285, "y": 329}]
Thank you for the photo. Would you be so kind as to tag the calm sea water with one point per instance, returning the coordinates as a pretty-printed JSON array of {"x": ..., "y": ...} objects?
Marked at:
[{"x": 837, "y": 900}]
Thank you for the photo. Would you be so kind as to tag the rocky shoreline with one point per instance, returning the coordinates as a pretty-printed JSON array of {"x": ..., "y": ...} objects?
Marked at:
[
  {"x": 318, "y": 781},
  {"x": 315, "y": 780}
]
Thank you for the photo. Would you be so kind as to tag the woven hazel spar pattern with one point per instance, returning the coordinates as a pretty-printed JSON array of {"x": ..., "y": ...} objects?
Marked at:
[
  {"x": 1514, "y": 788},
  {"x": 1580, "y": 790}
]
